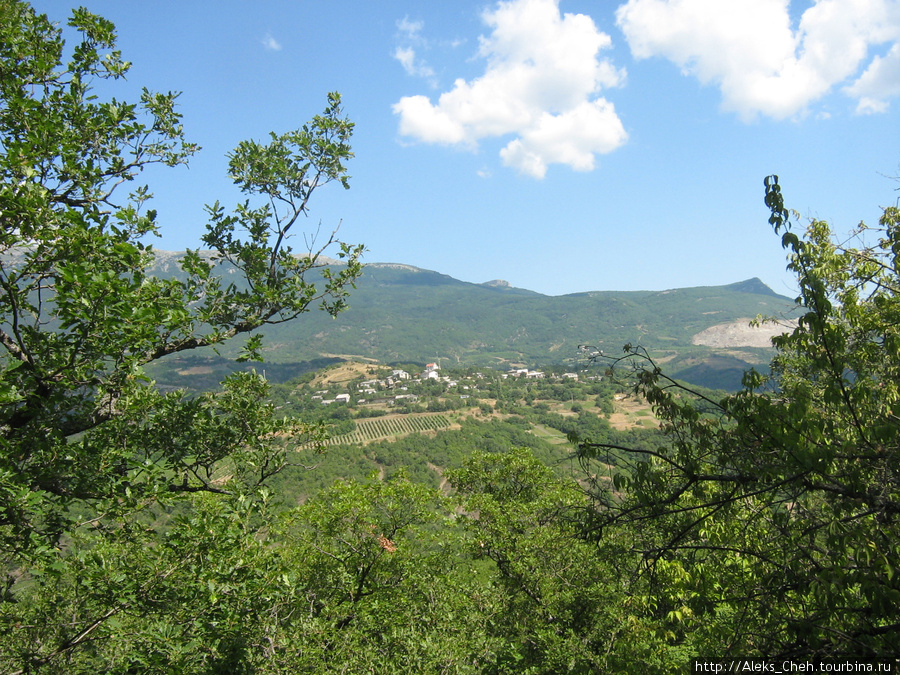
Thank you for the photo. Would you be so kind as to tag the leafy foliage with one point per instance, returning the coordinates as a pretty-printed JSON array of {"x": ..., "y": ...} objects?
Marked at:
[
  {"x": 564, "y": 606},
  {"x": 769, "y": 522},
  {"x": 137, "y": 529},
  {"x": 92, "y": 457}
]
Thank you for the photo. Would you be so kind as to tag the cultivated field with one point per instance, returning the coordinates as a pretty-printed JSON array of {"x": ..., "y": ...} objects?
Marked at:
[{"x": 392, "y": 426}]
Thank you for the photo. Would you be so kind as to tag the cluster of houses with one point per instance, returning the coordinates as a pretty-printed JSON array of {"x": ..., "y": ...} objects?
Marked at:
[
  {"x": 535, "y": 374},
  {"x": 524, "y": 372},
  {"x": 340, "y": 398},
  {"x": 393, "y": 381},
  {"x": 397, "y": 380}
]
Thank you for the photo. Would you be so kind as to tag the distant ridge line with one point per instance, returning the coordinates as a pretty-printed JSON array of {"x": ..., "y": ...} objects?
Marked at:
[{"x": 753, "y": 286}]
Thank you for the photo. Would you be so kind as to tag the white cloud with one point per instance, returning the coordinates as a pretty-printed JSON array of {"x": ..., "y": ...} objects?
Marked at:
[
  {"x": 410, "y": 29},
  {"x": 407, "y": 58},
  {"x": 271, "y": 43},
  {"x": 749, "y": 49},
  {"x": 410, "y": 32},
  {"x": 571, "y": 138},
  {"x": 540, "y": 84},
  {"x": 425, "y": 122},
  {"x": 880, "y": 82},
  {"x": 413, "y": 66}
]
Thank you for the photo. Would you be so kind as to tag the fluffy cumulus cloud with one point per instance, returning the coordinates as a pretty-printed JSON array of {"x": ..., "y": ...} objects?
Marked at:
[
  {"x": 761, "y": 62},
  {"x": 541, "y": 84},
  {"x": 879, "y": 83}
]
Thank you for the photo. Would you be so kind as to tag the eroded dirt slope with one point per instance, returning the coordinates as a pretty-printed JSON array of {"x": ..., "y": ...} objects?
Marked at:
[{"x": 741, "y": 333}]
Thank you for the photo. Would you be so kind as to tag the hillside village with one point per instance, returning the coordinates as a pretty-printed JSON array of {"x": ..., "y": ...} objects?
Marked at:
[{"x": 401, "y": 388}]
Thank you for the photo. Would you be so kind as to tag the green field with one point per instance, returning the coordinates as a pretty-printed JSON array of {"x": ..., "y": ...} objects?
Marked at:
[{"x": 549, "y": 434}]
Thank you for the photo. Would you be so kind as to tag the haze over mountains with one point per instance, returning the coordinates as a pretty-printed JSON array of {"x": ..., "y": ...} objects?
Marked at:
[{"x": 403, "y": 314}]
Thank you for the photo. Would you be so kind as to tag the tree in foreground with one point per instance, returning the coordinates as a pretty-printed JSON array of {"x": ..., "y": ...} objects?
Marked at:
[
  {"x": 770, "y": 522},
  {"x": 93, "y": 459},
  {"x": 556, "y": 601}
]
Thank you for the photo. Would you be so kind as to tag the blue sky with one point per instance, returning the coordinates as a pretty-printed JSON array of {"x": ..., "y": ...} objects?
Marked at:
[{"x": 563, "y": 146}]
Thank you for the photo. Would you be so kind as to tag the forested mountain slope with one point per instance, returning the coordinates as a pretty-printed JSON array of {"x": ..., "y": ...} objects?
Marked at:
[{"x": 402, "y": 313}]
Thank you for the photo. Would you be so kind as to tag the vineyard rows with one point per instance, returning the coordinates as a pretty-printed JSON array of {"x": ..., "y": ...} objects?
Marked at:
[{"x": 377, "y": 428}]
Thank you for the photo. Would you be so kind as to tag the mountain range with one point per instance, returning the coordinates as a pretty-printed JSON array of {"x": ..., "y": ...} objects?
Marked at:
[{"x": 404, "y": 314}]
